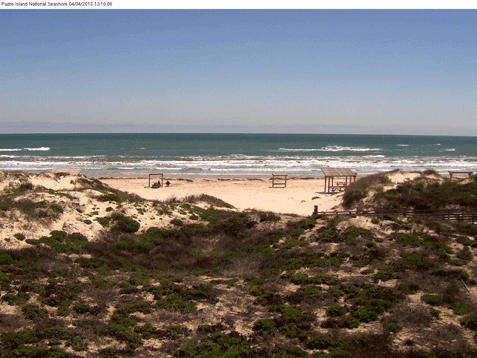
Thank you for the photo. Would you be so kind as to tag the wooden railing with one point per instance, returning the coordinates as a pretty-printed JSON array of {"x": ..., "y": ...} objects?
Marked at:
[{"x": 451, "y": 215}]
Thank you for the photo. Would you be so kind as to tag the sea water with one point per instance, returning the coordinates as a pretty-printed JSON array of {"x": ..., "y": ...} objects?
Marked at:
[{"x": 234, "y": 154}]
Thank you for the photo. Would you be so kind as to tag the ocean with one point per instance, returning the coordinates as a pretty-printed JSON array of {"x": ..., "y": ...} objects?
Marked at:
[{"x": 233, "y": 154}]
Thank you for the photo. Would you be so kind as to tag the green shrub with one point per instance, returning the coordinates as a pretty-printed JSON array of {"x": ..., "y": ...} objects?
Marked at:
[
  {"x": 452, "y": 289},
  {"x": 104, "y": 221},
  {"x": 269, "y": 217},
  {"x": 318, "y": 342},
  {"x": 60, "y": 241},
  {"x": 14, "y": 340},
  {"x": 123, "y": 334},
  {"x": 353, "y": 194},
  {"x": 352, "y": 233},
  {"x": 306, "y": 293},
  {"x": 177, "y": 222},
  {"x": 406, "y": 239},
  {"x": 432, "y": 300},
  {"x": 365, "y": 315},
  {"x": 360, "y": 189},
  {"x": 375, "y": 220},
  {"x": 19, "y": 236},
  {"x": 393, "y": 327},
  {"x": 458, "y": 274},
  {"x": 336, "y": 311},
  {"x": 82, "y": 308},
  {"x": 5, "y": 258},
  {"x": 265, "y": 327},
  {"x": 470, "y": 321},
  {"x": 409, "y": 288},
  {"x": 12, "y": 299},
  {"x": 34, "y": 312},
  {"x": 460, "y": 308},
  {"x": 57, "y": 208},
  {"x": 112, "y": 197},
  {"x": 24, "y": 187},
  {"x": 465, "y": 254},
  {"x": 288, "y": 352},
  {"x": 124, "y": 224}
]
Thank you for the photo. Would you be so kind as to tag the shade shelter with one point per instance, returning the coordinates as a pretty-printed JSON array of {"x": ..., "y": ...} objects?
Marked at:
[
  {"x": 160, "y": 176},
  {"x": 337, "y": 179},
  {"x": 279, "y": 180}
]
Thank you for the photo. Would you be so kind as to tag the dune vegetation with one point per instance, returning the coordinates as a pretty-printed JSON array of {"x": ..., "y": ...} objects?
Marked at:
[{"x": 88, "y": 271}]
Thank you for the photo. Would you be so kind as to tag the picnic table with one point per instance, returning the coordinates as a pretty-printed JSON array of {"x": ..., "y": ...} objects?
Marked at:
[{"x": 452, "y": 172}]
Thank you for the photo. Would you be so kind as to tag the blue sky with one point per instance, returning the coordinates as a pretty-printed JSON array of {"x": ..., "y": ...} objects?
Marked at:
[{"x": 321, "y": 71}]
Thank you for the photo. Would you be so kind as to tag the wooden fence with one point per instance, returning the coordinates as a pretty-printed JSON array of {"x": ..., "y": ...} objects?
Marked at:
[{"x": 451, "y": 215}]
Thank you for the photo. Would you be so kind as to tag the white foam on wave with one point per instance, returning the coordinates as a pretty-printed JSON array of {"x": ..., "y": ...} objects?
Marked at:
[
  {"x": 240, "y": 164},
  {"x": 330, "y": 148},
  {"x": 40, "y": 149},
  {"x": 10, "y": 149}
]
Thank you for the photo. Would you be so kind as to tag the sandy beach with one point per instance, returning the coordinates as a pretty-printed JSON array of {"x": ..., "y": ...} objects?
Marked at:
[{"x": 299, "y": 196}]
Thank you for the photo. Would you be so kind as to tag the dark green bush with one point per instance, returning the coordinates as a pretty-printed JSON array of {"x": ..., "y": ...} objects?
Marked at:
[
  {"x": 5, "y": 258},
  {"x": 269, "y": 217},
  {"x": 460, "y": 308},
  {"x": 265, "y": 327},
  {"x": 177, "y": 222},
  {"x": 12, "y": 299},
  {"x": 409, "y": 288},
  {"x": 124, "y": 224},
  {"x": 56, "y": 208},
  {"x": 405, "y": 239},
  {"x": 122, "y": 334},
  {"x": 360, "y": 189},
  {"x": 470, "y": 321},
  {"x": 34, "y": 312},
  {"x": 432, "y": 300},
  {"x": 19, "y": 236},
  {"x": 452, "y": 289},
  {"x": 112, "y": 197},
  {"x": 82, "y": 308},
  {"x": 336, "y": 311},
  {"x": 104, "y": 221}
]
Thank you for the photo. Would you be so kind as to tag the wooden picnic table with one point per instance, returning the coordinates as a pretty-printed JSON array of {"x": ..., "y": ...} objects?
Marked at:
[{"x": 452, "y": 172}]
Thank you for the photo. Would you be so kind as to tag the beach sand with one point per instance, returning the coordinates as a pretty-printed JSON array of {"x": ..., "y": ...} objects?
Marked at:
[
  {"x": 81, "y": 206},
  {"x": 299, "y": 196}
]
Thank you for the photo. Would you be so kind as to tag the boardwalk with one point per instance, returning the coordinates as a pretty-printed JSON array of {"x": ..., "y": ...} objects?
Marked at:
[{"x": 450, "y": 215}]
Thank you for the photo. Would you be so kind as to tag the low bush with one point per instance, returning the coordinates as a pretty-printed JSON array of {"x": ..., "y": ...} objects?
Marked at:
[
  {"x": 124, "y": 224},
  {"x": 265, "y": 327},
  {"x": 470, "y": 321},
  {"x": 122, "y": 334},
  {"x": 336, "y": 311},
  {"x": 360, "y": 189},
  {"x": 269, "y": 217},
  {"x": 409, "y": 288},
  {"x": 432, "y": 300}
]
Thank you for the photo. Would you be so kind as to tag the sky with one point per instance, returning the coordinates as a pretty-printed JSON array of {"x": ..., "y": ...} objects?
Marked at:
[{"x": 275, "y": 71}]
